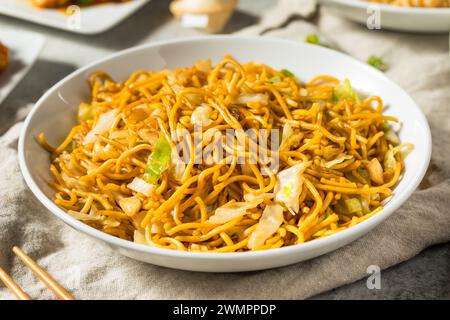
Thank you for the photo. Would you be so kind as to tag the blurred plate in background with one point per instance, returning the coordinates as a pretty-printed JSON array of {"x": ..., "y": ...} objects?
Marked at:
[
  {"x": 393, "y": 17},
  {"x": 24, "y": 48},
  {"x": 93, "y": 19}
]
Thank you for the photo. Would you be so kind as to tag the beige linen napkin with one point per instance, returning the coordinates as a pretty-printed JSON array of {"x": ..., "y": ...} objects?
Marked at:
[{"x": 419, "y": 63}]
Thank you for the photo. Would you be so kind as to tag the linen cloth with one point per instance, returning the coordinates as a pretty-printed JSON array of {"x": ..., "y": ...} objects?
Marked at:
[{"x": 90, "y": 270}]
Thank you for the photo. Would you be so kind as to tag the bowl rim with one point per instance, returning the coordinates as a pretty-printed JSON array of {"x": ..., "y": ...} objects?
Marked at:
[
  {"x": 361, "y": 4},
  {"x": 339, "y": 237}
]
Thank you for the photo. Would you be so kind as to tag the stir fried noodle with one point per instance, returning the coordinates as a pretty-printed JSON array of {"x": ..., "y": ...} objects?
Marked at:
[{"x": 168, "y": 158}]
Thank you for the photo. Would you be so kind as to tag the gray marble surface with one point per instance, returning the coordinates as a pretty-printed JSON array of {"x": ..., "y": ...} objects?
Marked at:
[{"x": 423, "y": 277}]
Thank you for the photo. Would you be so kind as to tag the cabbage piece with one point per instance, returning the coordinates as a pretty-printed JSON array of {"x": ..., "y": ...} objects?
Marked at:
[
  {"x": 158, "y": 161},
  {"x": 344, "y": 91},
  {"x": 85, "y": 112},
  {"x": 262, "y": 196},
  {"x": 287, "y": 132},
  {"x": 139, "y": 237},
  {"x": 194, "y": 98},
  {"x": 130, "y": 205},
  {"x": 103, "y": 124},
  {"x": 111, "y": 223},
  {"x": 287, "y": 73},
  {"x": 157, "y": 228},
  {"x": 314, "y": 39},
  {"x": 365, "y": 205},
  {"x": 389, "y": 162},
  {"x": 177, "y": 167},
  {"x": 275, "y": 79},
  {"x": 349, "y": 206},
  {"x": 141, "y": 186},
  {"x": 72, "y": 182},
  {"x": 201, "y": 116},
  {"x": 377, "y": 62},
  {"x": 231, "y": 211},
  {"x": 177, "y": 88},
  {"x": 375, "y": 171},
  {"x": 339, "y": 159},
  {"x": 148, "y": 136},
  {"x": 270, "y": 221},
  {"x": 253, "y": 97},
  {"x": 204, "y": 65},
  {"x": 390, "y": 133},
  {"x": 392, "y": 137},
  {"x": 289, "y": 186},
  {"x": 363, "y": 173}
]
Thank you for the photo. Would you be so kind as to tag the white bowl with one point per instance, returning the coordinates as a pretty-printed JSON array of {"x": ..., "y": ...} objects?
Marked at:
[
  {"x": 55, "y": 113},
  {"x": 394, "y": 17}
]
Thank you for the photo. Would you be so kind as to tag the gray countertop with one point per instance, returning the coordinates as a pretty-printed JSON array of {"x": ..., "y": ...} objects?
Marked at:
[{"x": 425, "y": 276}]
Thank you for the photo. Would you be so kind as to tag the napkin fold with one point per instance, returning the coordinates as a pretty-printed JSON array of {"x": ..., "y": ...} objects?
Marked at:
[{"x": 90, "y": 270}]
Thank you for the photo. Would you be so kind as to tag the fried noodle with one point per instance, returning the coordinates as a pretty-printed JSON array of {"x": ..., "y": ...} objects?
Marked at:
[{"x": 339, "y": 158}]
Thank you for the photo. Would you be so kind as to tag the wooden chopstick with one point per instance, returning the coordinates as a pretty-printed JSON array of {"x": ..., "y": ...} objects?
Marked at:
[
  {"x": 54, "y": 286},
  {"x": 14, "y": 287}
]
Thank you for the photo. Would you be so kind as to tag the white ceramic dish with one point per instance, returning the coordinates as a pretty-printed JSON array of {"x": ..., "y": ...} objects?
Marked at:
[
  {"x": 93, "y": 19},
  {"x": 393, "y": 17},
  {"x": 55, "y": 113},
  {"x": 24, "y": 48}
]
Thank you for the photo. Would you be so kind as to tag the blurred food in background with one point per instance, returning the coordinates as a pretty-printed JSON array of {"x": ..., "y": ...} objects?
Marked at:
[
  {"x": 3, "y": 57},
  {"x": 64, "y": 3},
  {"x": 207, "y": 15},
  {"x": 416, "y": 3}
]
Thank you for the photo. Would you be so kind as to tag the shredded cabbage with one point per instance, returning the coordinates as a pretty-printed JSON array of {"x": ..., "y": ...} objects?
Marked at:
[
  {"x": 231, "y": 211},
  {"x": 158, "y": 161},
  {"x": 377, "y": 62},
  {"x": 253, "y": 97},
  {"x": 270, "y": 221},
  {"x": 139, "y": 237},
  {"x": 339, "y": 159},
  {"x": 392, "y": 137},
  {"x": 177, "y": 166},
  {"x": 389, "y": 162},
  {"x": 103, "y": 124},
  {"x": 148, "y": 136},
  {"x": 204, "y": 65},
  {"x": 314, "y": 39},
  {"x": 262, "y": 196},
  {"x": 349, "y": 206},
  {"x": 287, "y": 73},
  {"x": 275, "y": 79},
  {"x": 201, "y": 115},
  {"x": 287, "y": 132},
  {"x": 85, "y": 112},
  {"x": 130, "y": 205},
  {"x": 289, "y": 186},
  {"x": 344, "y": 91},
  {"x": 375, "y": 171},
  {"x": 141, "y": 186}
]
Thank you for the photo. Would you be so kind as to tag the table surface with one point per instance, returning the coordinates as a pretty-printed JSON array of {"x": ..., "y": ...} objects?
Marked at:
[{"x": 425, "y": 276}]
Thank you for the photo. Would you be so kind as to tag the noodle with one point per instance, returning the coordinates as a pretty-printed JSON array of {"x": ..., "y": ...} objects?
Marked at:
[{"x": 150, "y": 160}]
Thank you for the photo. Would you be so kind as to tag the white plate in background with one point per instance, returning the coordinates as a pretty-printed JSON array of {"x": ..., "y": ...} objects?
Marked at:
[
  {"x": 94, "y": 19},
  {"x": 24, "y": 48},
  {"x": 305, "y": 60},
  {"x": 393, "y": 17}
]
